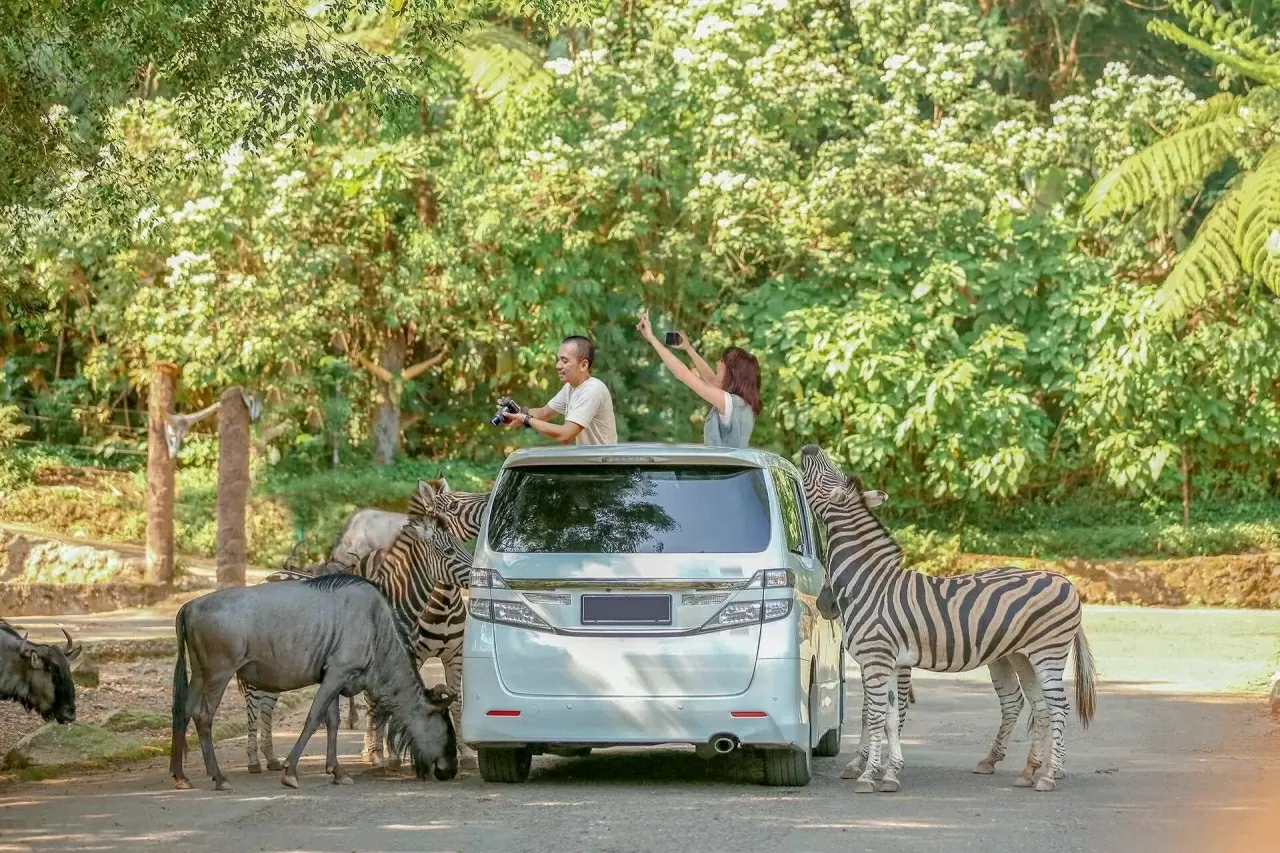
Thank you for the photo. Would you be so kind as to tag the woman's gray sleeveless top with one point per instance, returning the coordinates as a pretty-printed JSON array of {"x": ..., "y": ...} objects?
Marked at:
[{"x": 737, "y": 433}]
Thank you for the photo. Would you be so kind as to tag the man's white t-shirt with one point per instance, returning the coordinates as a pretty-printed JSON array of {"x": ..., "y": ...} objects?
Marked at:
[{"x": 590, "y": 406}]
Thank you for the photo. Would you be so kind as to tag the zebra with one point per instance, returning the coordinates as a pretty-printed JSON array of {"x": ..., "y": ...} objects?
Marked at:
[
  {"x": 1020, "y": 623},
  {"x": 422, "y": 574},
  {"x": 440, "y": 627}
]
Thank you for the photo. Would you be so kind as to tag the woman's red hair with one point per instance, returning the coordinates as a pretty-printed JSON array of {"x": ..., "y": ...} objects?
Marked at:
[{"x": 742, "y": 376}]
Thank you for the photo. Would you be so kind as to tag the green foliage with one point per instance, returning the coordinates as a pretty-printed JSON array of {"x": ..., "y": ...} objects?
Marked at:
[
  {"x": 870, "y": 196},
  {"x": 1239, "y": 240}
]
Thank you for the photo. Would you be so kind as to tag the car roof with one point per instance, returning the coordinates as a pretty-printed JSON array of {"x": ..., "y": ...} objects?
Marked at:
[{"x": 653, "y": 453}]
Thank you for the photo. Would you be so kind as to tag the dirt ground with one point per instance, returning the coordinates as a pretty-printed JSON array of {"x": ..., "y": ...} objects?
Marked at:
[{"x": 1179, "y": 760}]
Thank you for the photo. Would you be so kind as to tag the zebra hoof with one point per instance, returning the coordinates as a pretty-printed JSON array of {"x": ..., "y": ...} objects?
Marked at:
[
  {"x": 864, "y": 786},
  {"x": 889, "y": 786},
  {"x": 257, "y": 768},
  {"x": 851, "y": 771},
  {"x": 1046, "y": 783},
  {"x": 344, "y": 779},
  {"x": 222, "y": 785},
  {"x": 183, "y": 784},
  {"x": 985, "y": 767},
  {"x": 1024, "y": 781},
  {"x": 274, "y": 764},
  {"x": 289, "y": 780},
  {"x": 393, "y": 764}
]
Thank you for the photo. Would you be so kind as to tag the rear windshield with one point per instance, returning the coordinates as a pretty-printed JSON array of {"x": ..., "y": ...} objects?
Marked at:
[{"x": 629, "y": 509}]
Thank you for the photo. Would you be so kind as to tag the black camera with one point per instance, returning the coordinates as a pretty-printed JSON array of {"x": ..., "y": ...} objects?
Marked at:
[
  {"x": 506, "y": 404},
  {"x": 673, "y": 339}
]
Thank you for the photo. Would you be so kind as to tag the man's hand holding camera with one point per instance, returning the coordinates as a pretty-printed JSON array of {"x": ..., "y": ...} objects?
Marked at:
[{"x": 583, "y": 401}]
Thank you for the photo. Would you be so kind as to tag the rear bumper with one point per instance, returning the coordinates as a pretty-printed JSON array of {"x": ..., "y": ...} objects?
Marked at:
[{"x": 638, "y": 721}]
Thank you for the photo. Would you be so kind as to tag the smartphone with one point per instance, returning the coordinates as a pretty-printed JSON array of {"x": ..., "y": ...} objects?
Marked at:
[{"x": 673, "y": 339}]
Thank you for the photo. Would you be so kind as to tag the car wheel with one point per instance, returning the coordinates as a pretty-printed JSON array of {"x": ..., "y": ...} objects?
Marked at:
[
  {"x": 504, "y": 765},
  {"x": 787, "y": 768}
]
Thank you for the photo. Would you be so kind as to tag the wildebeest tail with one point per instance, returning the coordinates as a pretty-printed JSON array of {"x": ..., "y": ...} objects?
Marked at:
[{"x": 177, "y": 746}]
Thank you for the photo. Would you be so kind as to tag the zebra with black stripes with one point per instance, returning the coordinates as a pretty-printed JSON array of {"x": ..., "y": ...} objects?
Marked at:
[
  {"x": 1020, "y": 623},
  {"x": 422, "y": 574}
]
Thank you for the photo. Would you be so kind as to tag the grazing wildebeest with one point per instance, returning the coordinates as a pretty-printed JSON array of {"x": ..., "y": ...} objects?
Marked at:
[
  {"x": 260, "y": 705},
  {"x": 38, "y": 676},
  {"x": 337, "y": 631}
]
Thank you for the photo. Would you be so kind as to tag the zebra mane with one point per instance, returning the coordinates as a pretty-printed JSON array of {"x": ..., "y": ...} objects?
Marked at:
[
  {"x": 337, "y": 580},
  {"x": 858, "y": 493}
]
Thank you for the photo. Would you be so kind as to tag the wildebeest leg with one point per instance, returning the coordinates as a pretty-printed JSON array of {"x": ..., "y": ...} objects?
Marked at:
[
  {"x": 207, "y": 700},
  {"x": 327, "y": 695},
  {"x": 352, "y": 716},
  {"x": 332, "y": 724}
]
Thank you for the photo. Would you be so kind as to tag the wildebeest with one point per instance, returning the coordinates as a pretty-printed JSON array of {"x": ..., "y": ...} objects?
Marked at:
[
  {"x": 38, "y": 676},
  {"x": 337, "y": 631}
]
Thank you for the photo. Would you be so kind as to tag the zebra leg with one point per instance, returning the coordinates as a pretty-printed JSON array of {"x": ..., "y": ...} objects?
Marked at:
[
  {"x": 903, "y": 693},
  {"x": 1005, "y": 680},
  {"x": 372, "y": 752},
  {"x": 251, "y": 735},
  {"x": 1039, "y": 721},
  {"x": 333, "y": 721},
  {"x": 267, "y": 706},
  {"x": 893, "y": 730},
  {"x": 451, "y": 658},
  {"x": 1050, "y": 669},
  {"x": 858, "y": 763},
  {"x": 875, "y": 684}
]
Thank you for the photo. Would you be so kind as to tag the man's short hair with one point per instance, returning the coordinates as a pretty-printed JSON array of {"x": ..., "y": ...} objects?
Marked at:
[{"x": 586, "y": 349}]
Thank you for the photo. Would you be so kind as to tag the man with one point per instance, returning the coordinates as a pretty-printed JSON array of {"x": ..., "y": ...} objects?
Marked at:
[{"x": 584, "y": 400}]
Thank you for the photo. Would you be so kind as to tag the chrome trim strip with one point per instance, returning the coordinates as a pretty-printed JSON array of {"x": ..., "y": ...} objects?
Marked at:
[{"x": 698, "y": 584}]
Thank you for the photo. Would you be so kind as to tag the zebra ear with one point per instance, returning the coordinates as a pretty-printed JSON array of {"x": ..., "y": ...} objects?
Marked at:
[{"x": 444, "y": 484}]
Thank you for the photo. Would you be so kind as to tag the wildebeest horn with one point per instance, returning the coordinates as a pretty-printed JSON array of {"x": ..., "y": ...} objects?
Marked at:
[
  {"x": 25, "y": 644},
  {"x": 68, "y": 636}
]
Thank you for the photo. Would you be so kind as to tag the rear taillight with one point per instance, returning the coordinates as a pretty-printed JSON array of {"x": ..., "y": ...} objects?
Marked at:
[
  {"x": 774, "y": 578},
  {"x": 738, "y": 613},
  {"x": 499, "y": 610}
]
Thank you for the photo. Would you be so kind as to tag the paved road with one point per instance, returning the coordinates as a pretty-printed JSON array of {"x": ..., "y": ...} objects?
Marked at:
[{"x": 1162, "y": 769}]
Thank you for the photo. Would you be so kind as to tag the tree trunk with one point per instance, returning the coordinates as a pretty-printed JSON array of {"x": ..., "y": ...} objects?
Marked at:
[
  {"x": 160, "y": 489},
  {"x": 233, "y": 487},
  {"x": 386, "y": 413}
]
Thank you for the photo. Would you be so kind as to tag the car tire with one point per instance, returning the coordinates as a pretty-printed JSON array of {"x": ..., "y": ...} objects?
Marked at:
[
  {"x": 504, "y": 765},
  {"x": 787, "y": 768},
  {"x": 829, "y": 745}
]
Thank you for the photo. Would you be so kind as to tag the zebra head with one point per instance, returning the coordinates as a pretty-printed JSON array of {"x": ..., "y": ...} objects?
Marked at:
[
  {"x": 828, "y": 490},
  {"x": 448, "y": 562}
]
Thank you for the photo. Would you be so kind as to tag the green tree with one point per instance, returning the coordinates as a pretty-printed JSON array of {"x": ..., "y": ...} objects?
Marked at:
[{"x": 1239, "y": 239}]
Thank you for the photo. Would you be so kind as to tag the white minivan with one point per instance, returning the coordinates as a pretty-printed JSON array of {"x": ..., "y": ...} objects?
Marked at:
[{"x": 632, "y": 595}]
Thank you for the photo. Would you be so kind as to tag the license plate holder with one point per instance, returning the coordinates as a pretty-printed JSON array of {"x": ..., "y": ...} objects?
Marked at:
[{"x": 626, "y": 609}]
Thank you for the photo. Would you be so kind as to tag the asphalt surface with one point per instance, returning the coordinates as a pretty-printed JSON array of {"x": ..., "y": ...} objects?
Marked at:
[{"x": 1169, "y": 765}]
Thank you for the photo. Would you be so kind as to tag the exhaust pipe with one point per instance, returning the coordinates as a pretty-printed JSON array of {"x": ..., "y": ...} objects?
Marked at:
[{"x": 723, "y": 744}]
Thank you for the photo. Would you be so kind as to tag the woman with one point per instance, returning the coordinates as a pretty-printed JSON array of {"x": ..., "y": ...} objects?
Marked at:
[{"x": 733, "y": 389}]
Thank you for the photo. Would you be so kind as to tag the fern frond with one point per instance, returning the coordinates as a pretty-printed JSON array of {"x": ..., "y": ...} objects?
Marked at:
[
  {"x": 1174, "y": 166},
  {"x": 1257, "y": 232},
  {"x": 1224, "y": 28},
  {"x": 1209, "y": 262},
  {"x": 1265, "y": 70},
  {"x": 1216, "y": 107},
  {"x": 500, "y": 64}
]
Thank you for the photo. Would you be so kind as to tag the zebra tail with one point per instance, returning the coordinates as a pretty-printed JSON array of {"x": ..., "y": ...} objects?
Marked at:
[{"x": 1086, "y": 679}]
